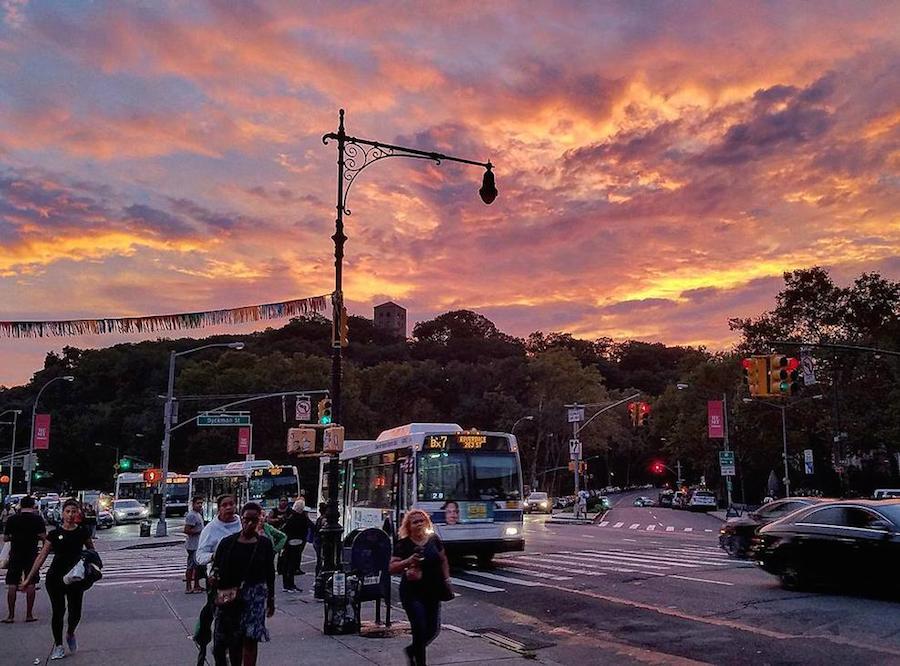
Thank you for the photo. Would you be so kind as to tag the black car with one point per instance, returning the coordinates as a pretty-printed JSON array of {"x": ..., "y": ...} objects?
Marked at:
[
  {"x": 848, "y": 541},
  {"x": 737, "y": 534},
  {"x": 665, "y": 498}
]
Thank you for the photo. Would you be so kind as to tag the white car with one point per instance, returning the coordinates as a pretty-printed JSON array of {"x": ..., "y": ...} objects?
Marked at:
[
  {"x": 128, "y": 510},
  {"x": 702, "y": 500},
  {"x": 538, "y": 502}
]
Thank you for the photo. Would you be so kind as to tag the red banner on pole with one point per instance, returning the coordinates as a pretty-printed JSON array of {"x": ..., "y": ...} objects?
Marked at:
[
  {"x": 243, "y": 441},
  {"x": 41, "y": 431},
  {"x": 715, "y": 419}
]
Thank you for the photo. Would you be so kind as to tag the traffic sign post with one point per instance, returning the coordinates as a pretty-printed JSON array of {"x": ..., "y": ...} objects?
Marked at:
[
  {"x": 574, "y": 449},
  {"x": 726, "y": 463},
  {"x": 227, "y": 419},
  {"x": 576, "y": 413},
  {"x": 303, "y": 408}
]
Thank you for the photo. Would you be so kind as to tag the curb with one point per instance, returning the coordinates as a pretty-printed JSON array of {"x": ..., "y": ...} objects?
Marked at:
[{"x": 152, "y": 544}]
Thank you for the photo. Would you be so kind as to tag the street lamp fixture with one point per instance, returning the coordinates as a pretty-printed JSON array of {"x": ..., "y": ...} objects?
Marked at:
[
  {"x": 512, "y": 431},
  {"x": 354, "y": 155},
  {"x": 161, "y": 529},
  {"x": 67, "y": 378}
]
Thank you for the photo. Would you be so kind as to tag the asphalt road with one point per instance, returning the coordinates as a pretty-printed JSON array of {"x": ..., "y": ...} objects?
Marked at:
[{"x": 651, "y": 584}]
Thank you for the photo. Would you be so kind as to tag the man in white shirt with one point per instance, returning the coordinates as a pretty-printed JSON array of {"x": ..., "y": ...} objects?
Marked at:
[{"x": 193, "y": 526}]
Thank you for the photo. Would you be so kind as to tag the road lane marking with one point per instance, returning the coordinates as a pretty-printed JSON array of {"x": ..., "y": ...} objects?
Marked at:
[
  {"x": 604, "y": 523},
  {"x": 650, "y": 528},
  {"x": 540, "y": 565},
  {"x": 504, "y": 579},
  {"x": 634, "y": 526},
  {"x": 541, "y": 574},
  {"x": 702, "y": 580},
  {"x": 688, "y": 529},
  {"x": 633, "y": 558},
  {"x": 670, "y": 529},
  {"x": 707, "y": 530},
  {"x": 618, "y": 524},
  {"x": 614, "y": 559},
  {"x": 475, "y": 586}
]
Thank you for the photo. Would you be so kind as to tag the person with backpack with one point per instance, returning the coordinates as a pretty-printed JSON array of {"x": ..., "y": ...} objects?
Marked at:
[{"x": 66, "y": 542}]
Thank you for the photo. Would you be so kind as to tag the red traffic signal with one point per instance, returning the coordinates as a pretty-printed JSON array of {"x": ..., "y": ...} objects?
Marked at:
[
  {"x": 152, "y": 476},
  {"x": 657, "y": 467}
]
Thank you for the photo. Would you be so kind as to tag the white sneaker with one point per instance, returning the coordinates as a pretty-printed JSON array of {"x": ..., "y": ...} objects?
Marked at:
[{"x": 58, "y": 652}]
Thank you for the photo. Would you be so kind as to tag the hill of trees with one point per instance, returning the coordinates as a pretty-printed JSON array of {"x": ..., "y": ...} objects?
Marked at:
[{"x": 459, "y": 367}]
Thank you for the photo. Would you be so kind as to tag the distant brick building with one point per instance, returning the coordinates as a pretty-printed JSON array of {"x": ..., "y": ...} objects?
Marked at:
[{"x": 392, "y": 318}]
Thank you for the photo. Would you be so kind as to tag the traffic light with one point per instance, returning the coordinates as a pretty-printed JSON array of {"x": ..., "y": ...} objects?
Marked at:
[
  {"x": 325, "y": 411},
  {"x": 756, "y": 375},
  {"x": 633, "y": 412},
  {"x": 152, "y": 476},
  {"x": 125, "y": 464},
  {"x": 784, "y": 375},
  {"x": 657, "y": 467},
  {"x": 643, "y": 413}
]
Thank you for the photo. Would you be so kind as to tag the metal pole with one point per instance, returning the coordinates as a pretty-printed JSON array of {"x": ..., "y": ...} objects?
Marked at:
[
  {"x": 31, "y": 442},
  {"x": 12, "y": 455},
  {"x": 787, "y": 478},
  {"x": 331, "y": 537},
  {"x": 577, "y": 459},
  {"x": 678, "y": 467},
  {"x": 725, "y": 423},
  {"x": 250, "y": 445},
  {"x": 161, "y": 529}
]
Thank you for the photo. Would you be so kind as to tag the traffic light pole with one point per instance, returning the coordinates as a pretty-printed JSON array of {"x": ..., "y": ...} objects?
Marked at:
[
  {"x": 576, "y": 430},
  {"x": 784, "y": 454},
  {"x": 161, "y": 528},
  {"x": 725, "y": 443}
]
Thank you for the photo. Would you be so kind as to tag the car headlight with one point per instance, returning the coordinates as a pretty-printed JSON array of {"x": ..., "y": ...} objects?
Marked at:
[
  {"x": 512, "y": 531},
  {"x": 543, "y": 505}
]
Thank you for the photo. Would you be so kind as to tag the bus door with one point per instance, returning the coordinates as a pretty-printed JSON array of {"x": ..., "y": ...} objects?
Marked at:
[{"x": 404, "y": 489}]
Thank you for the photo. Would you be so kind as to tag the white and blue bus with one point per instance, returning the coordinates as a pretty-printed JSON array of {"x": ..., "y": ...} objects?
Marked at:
[
  {"x": 259, "y": 481},
  {"x": 131, "y": 485},
  {"x": 470, "y": 482}
]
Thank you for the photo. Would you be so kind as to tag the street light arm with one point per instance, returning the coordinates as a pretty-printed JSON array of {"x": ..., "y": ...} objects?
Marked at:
[
  {"x": 605, "y": 409},
  {"x": 230, "y": 345}
]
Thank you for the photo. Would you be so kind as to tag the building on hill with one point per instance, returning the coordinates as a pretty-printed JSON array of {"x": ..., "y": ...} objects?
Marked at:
[{"x": 391, "y": 317}]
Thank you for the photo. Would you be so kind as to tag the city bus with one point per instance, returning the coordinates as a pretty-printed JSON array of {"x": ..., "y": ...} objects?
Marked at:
[
  {"x": 470, "y": 482},
  {"x": 258, "y": 481},
  {"x": 131, "y": 485}
]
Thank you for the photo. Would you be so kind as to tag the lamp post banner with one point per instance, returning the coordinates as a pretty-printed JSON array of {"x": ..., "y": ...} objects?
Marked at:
[
  {"x": 715, "y": 419},
  {"x": 41, "y": 431},
  {"x": 243, "y": 441}
]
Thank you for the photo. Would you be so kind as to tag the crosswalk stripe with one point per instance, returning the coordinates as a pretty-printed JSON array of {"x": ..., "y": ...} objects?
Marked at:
[
  {"x": 526, "y": 561},
  {"x": 634, "y": 526},
  {"x": 688, "y": 529},
  {"x": 611, "y": 560},
  {"x": 543, "y": 575},
  {"x": 475, "y": 586},
  {"x": 631, "y": 558},
  {"x": 693, "y": 560},
  {"x": 504, "y": 579},
  {"x": 604, "y": 523},
  {"x": 650, "y": 528},
  {"x": 670, "y": 529},
  {"x": 618, "y": 524}
]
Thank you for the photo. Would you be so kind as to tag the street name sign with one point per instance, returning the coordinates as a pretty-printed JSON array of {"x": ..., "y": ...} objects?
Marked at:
[
  {"x": 232, "y": 419},
  {"x": 726, "y": 463},
  {"x": 808, "y": 461}
]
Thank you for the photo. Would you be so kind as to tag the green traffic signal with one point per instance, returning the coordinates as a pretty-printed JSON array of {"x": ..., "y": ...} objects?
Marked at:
[
  {"x": 125, "y": 464},
  {"x": 325, "y": 411}
]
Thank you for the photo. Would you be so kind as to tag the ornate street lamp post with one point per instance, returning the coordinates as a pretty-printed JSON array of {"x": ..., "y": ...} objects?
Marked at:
[
  {"x": 354, "y": 155},
  {"x": 30, "y": 472}
]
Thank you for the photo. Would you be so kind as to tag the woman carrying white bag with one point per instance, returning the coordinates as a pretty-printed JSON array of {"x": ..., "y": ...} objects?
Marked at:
[{"x": 67, "y": 543}]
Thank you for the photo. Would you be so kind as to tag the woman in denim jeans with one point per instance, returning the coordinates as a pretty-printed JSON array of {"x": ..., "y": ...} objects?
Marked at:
[{"x": 419, "y": 556}]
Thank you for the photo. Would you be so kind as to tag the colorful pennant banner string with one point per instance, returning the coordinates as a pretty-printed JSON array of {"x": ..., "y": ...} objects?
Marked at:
[{"x": 169, "y": 322}]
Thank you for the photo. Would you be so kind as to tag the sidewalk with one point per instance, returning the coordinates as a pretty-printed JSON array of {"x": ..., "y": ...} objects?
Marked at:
[{"x": 144, "y": 625}]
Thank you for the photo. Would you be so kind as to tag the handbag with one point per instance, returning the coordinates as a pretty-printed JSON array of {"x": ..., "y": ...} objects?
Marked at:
[
  {"x": 4, "y": 555},
  {"x": 76, "y": 574},
  {"x": 230, "y": 595}
]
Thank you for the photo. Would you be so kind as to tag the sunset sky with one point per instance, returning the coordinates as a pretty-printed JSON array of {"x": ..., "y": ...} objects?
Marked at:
[{"x": 660, "y": 164}]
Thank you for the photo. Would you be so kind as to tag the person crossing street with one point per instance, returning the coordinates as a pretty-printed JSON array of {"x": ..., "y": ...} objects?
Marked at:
[
  {"x": 25, "y": 532},
  {"x": 193, "y": 526}
]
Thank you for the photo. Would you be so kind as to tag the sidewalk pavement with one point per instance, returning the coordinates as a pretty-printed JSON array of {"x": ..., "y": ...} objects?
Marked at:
[
  {"x": 151, "y": 624},
  {"x": 105, "y": 544}
]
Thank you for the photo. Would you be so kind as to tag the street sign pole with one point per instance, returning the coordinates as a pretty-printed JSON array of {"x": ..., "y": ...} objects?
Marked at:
[{"x": 725, "y": 424}]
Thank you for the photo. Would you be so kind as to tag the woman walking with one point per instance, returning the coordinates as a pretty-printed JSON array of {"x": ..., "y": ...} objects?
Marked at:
[
  {"x": 66, "y": 542},
  {"x": 419, "y": 556},
  {"x": 244, "y": 566},
  {"x": 296, "y": 527}
]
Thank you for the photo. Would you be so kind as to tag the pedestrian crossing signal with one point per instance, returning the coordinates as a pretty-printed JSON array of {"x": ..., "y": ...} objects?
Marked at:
[{"x": 152, "y": 476}]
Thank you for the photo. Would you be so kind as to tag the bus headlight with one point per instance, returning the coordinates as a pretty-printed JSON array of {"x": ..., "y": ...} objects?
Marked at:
[{"x": 512, "y": 531}]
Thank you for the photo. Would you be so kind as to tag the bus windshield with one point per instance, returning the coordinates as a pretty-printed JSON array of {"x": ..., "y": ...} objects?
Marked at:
[
  {"x": 468, "y": 476},
  {"x": 177, "y": 492},
  {"x": 269, "y": 488}
]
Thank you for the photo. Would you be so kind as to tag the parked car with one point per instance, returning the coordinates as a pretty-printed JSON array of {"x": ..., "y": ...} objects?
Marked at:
[
  {"x": 129, "y": 511},
  {"x": 105, "y": 519},
  {"x": 845, "y": 541},
  {"x": 540, "y": 502},
  {"x": 736, "y": 534},
  {"x": 701, "y": 500},
  {"x": 886, "y": 493},
  {"x": 642, "y": 501},
  {"x": 665, "y": 498},
  {"x": 679, "y": 500}
]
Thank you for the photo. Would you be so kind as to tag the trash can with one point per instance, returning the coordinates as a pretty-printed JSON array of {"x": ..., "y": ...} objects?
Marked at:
[
  {"x": 145, "y": 528},
  {"x": 341, "y": 603}
]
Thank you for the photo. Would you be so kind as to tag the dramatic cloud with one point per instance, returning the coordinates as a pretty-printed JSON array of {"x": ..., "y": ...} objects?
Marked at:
[{"x": 659, "y": 165}]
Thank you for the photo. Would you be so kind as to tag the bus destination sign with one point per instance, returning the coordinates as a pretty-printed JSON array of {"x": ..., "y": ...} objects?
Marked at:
[{"x": 466, "y": 441}]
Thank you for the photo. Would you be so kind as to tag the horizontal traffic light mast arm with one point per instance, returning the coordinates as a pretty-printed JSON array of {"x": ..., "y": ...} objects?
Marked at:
[
  {"x": 824, "y": 345},
  {"x": 605, "y": 409},
  {"x": 261, "y": 396}
]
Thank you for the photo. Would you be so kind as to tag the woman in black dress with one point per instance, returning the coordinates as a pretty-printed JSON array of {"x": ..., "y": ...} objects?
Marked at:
[
  {"x": 244, "y": 562},
  {"x": 419, "y": 556},
  {"x": 66, "y": 543}
]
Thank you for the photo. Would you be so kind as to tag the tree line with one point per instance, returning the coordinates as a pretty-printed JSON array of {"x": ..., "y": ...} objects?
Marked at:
[{"x": 459, "y": 367}]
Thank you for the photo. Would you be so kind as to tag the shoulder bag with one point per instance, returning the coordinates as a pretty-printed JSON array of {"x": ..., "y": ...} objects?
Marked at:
[{"x": 229, "y": 595}]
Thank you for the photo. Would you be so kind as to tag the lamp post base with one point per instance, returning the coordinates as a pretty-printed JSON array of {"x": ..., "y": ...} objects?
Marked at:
[{"x": 161, "y": 528}]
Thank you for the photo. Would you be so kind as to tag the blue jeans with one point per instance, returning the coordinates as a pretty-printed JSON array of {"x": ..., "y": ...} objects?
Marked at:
[{"x": 425, "y": 621}]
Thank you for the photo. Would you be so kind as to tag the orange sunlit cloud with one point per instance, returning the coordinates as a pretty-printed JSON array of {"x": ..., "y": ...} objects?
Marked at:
[{"x": 659, "y": 165}]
